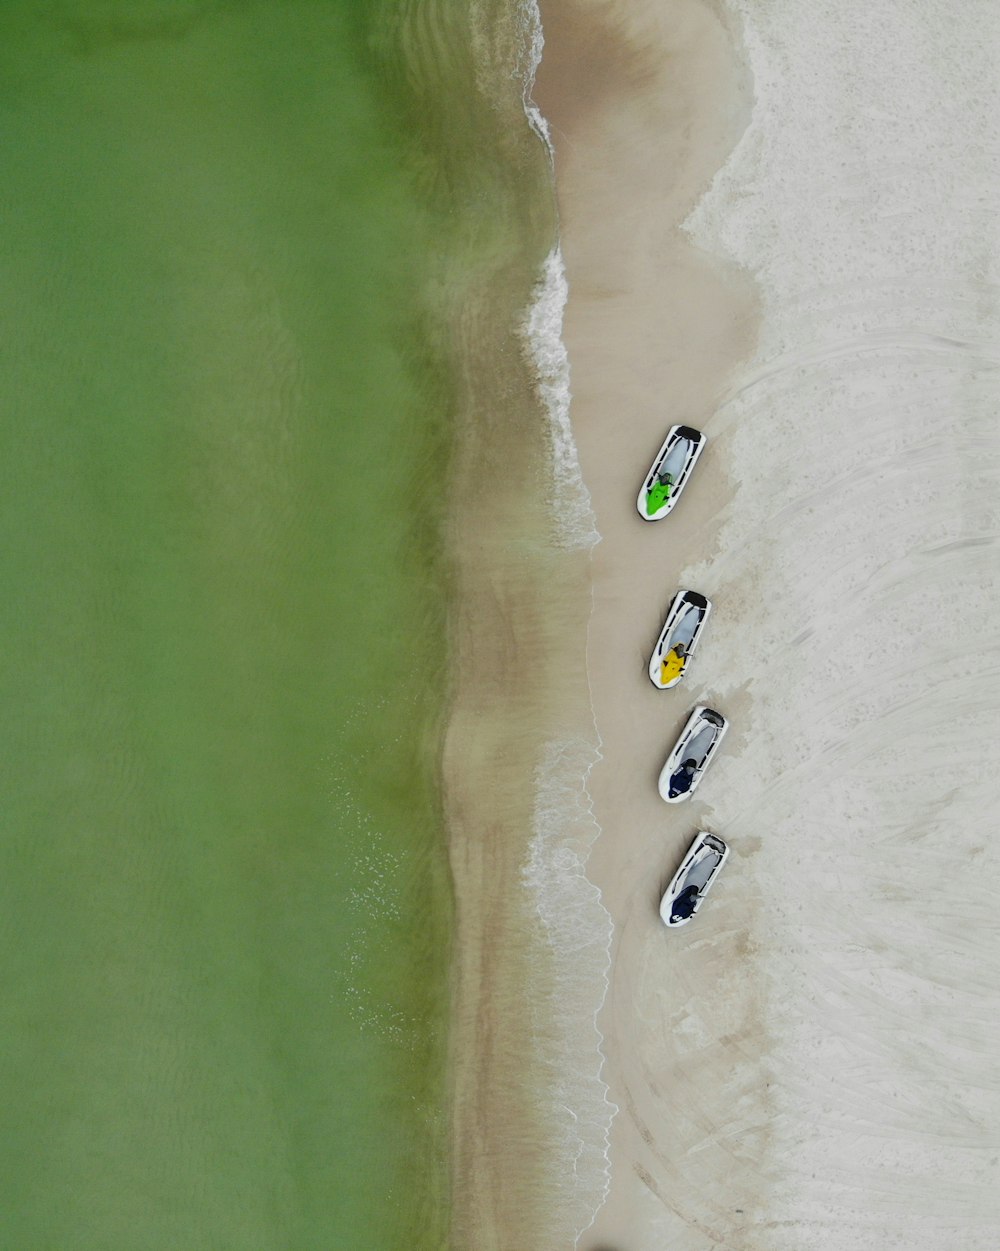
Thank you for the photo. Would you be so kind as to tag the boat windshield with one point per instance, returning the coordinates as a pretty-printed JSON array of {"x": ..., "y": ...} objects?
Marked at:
[
  {"x": 673, "y": 462},
  {"x": 684, "y": 628},
  {"x": 700, "y": 744},
  {"x": 704, "y": 864}
]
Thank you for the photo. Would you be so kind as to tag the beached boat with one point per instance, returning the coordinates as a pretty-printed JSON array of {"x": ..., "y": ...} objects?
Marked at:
[
  {"x": 670, "y": 471},
  {"x": 690, "y": 884},
  {"x": 681, "y": 631},
  {"x": 691, "y": 754}
]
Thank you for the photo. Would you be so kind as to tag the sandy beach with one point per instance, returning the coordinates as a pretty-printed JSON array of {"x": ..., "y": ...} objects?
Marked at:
[
  {"x": 810, "y": 1063},
  {"x": 653, "y": 331}
]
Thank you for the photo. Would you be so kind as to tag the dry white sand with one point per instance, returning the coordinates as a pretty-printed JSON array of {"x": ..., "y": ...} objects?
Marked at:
[{"x": 811, "y": 1063}]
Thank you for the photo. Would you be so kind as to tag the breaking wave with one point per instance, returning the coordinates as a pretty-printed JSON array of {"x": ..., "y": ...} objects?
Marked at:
[
  {"x": 541, "y": 337},
  {"x": 541, "y": 333}
]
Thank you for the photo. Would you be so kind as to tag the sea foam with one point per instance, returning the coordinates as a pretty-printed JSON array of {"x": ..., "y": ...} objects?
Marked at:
[
  {"x": 541, "y": 336},
  {"x": 541, "y": 331}
]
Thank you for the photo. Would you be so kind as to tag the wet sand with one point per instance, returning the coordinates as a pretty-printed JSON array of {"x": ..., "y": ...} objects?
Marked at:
[{"x": 653, "y": 330}]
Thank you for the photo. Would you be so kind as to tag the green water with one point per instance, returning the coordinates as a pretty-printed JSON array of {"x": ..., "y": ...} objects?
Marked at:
[{"x": 224, "y": 904}]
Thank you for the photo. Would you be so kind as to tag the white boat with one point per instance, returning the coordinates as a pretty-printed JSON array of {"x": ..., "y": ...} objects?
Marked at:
[
  {"x": 690, "y": 884},
  {"x": 681, "y": 631},
  {"x": 669, "y": 473},
  {"x": 692, "y": 754}
]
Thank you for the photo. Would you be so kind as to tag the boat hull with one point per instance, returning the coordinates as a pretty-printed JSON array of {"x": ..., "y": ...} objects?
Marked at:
[
  {"x": 677, "y": 457},
  {"x": 699, "y": 742},
  {"x": 685, "y": 621},
  {"x": 691, "y": 883}
]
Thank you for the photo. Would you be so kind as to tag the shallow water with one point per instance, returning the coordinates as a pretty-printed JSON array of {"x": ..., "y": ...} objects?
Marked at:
[{"x": 224, "y": 908}]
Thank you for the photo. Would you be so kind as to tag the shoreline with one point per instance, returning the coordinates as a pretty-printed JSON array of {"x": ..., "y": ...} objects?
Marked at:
[
  {"x": 541, "y": 733},
  {"x": 654, "y": 330},
  {"x": 520, "y": 606}
]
